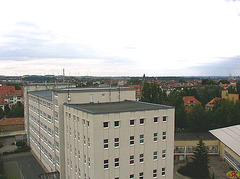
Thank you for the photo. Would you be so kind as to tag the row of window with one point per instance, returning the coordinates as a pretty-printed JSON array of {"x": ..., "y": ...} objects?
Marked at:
[
  {"x": 43, "y": 115},
  {"x": 41, "y": 102},
  {"x": 141, "y": 174},
  {"x": 131, "y": 159},
  {"x": 43, "y": 150},
  {"x": 132, "y": 141},
  {"x": 133, "y": 121}
]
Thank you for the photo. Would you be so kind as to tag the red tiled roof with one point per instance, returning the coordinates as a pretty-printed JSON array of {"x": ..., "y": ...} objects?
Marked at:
[
  {"x": 190, "y": 100},
  {"x": 11, "y": 121},
  {"x": 212, "y": 102}
]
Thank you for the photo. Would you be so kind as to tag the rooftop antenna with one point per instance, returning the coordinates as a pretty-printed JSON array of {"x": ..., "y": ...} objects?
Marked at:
[
  {"x": 119, "y": 93},
  {"x": 63, "y": 74},
  {"x": 110, "y": 91}
]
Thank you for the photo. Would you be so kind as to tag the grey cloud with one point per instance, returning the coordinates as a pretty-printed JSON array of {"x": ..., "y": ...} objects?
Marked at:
[
  {"x": 228, "y": 65},
  {"x": 28, "y": 45}
]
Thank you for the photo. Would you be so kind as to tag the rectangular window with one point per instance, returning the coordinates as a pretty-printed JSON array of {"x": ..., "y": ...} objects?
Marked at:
[
  {"x": 88, "y": 162},
  {"x": 79, "y": 154},
  {"x": 132, "y": 122},
  {"x": 155, "y": 156},
  {"x": 131, "y": 159},
  {"x": 164, "y": 118},
  {"x": 88, "y": 123},
  {"x": 84, "y": 140},
  {"x": 105, "y": 164},
  {"x": 75, "y": 134},
  {"x": 155, "y": 137},
  {"x": 142, "y": 139},
  {"x": 163, "y": 172},
  {"x": 155, "y": 173},
  {"x": 105, "y": 124},
  {"x": 57, "y": 160},
  {"x": 155, "y": 119},
  {"x": 116, "y": 162},
  {"x": 105, "y": 143},
  {"x": 85, "y": 159},
  {"x": 83, "y": 121},
  {"x": 131, "y": 140},
  {"x": 164, "y": 135},
  {"x": 116, "y": 142},
  {"x": 131, "y": 176},
  {"x": 116, "y": 123},
  {"x": 57, "y": 146},
  {"x": 142, "y": 121},
  {"x": 141, "y": 175},
  {"x": 141, "y": 158},
  {"x": 56, "y": 116},
  {"x": 163, "y": 154},
  {"x": 78, "y": 135},
  {"x": 88, "y": 142},
  {"x": 56, "y": 131}
]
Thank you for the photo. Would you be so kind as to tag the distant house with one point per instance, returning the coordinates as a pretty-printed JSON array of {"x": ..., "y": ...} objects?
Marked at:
[
  {"x": 211, "y": 104},
  {"x": 10, "y": 124},
  {"x": 10, "y": 96},
  {"x": 230, "y": 97},
  {"x": 189, "y": 102}
]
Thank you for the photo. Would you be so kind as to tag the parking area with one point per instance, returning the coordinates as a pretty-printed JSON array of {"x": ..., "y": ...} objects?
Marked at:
[{"x": 22, "y": 165}]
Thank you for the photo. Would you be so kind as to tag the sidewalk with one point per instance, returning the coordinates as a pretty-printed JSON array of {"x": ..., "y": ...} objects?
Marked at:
[{"x": 13, "y": 133}]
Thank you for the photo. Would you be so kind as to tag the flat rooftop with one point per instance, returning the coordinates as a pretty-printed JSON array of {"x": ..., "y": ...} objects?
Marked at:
[
  {"x": 47, "y": 94},
  {"x": 117, "y": 107},
  {"x": 46, "y": 84},
  {"x": 193, "y": 136},
  {"x": 66, "y": 90}
]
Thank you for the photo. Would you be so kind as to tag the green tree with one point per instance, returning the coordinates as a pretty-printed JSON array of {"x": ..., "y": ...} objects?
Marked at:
[
  {"x": 198, "y": 168},
  {"x": 1, "y": 113},
  {"x": 197, "y": 119},
  {"x": 17, "y": 110},
  {"x": 200, "y": 160},
  {"x": 20, "y": 144},
  {"x": 152, "y": 93}
]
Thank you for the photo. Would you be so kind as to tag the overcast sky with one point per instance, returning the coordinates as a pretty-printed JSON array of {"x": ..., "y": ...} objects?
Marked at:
[{"x": 113, "y": 38}]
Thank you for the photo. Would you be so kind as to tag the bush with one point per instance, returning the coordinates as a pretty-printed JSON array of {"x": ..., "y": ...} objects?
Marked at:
[{"x": 20, "y": 144}]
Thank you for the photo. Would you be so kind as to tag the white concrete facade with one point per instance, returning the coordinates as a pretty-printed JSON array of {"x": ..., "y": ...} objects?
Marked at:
[
  {"x": 135, "y": 144},
  {"x": 44, "y": 117}
]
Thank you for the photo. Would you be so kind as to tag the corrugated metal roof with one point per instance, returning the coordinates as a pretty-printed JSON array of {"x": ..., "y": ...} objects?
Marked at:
[{"x": 230, "y": 136}]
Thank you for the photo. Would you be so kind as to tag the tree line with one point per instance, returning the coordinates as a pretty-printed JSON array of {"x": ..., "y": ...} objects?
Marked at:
[
  {"x": 17, "y": 110},
  {"x": 225, "y": 113}
]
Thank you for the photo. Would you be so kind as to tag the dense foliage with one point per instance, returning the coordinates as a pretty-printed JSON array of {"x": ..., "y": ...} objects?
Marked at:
[
  {"x": 225, "y": 113},
  {"x": 17, "y": 110},
  {"x": 198, "y": 168}
]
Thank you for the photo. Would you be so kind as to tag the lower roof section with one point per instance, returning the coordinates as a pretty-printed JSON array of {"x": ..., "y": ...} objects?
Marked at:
[
  {"x": 230, "y": 136},
  {"x": 117, "y": 107}
]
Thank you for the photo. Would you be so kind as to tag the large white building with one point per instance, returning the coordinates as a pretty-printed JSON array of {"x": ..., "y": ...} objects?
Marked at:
[{"x": 99, "y": 133}]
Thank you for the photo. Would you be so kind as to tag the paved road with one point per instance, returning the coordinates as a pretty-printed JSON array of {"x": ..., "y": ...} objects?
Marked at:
[{"x": 24, "y": 164}]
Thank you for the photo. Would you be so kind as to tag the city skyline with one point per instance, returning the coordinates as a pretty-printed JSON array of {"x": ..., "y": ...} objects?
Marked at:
[{"x": 107, "y": 38}]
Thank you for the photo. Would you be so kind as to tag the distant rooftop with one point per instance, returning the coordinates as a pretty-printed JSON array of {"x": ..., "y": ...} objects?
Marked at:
[
  {"x": 65, "y": 90},
  {"x": 193, "y": 136},
  {"x": 117, "y": 107},
  {"x": 45, "y": 84},
  {"x": 47, "y": 94}
]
